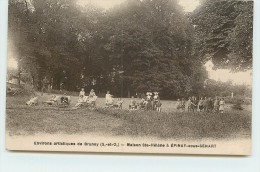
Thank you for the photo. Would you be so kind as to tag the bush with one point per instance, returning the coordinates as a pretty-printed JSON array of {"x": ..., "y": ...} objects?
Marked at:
[
  {"x": 16, "y": 90},
  {"x": 237, "y": 107},
  {"x": 238, "y": 100}
]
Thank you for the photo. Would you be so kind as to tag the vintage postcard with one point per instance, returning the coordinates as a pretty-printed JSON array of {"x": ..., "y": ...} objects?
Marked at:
[{"x": 130, "y": 76}]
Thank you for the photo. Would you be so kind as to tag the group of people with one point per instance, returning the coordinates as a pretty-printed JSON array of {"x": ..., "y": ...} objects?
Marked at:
[
  {"x": 89, "y": 100},
  {"x": 201, "y": 105},
  {"x": 150, "y": 102}
]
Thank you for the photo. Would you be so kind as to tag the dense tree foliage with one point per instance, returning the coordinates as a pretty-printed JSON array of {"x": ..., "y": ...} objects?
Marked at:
[
  {"x": 135, "y": 47},
  {"x": 225, "y": 33}
]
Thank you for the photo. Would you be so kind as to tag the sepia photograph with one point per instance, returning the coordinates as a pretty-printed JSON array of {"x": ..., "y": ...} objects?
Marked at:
[{"x": 130, "y": 76}]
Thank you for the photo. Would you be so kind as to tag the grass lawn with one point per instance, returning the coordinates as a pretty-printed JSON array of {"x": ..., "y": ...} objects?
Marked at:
[{"x": 24, "y": 120}]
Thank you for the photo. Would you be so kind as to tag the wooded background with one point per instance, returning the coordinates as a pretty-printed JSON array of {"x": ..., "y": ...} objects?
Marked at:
[{"x": 135, "y": 47}]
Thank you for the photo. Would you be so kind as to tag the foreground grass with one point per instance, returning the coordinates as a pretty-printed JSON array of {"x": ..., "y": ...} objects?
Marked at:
[
  {"x": 23, "y": 120},
  {"x": 180, "y": 125}
]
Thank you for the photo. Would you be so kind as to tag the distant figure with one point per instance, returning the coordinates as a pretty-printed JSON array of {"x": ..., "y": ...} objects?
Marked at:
[
  {"x": 65, "y": 100},
  {"x": 216, "y": 105},
  {"x": 80, "y": 101},
  {"x": 156, "y": 101},
  {"x": 54, "y": 99},
  {"x": 205, "y": 104},
  {"x": 194, "y": 104},
  {"x": 182, "y": 104},
  {"x": 179, "y": 104},
  {"x": 92, "y": 93},
  {"x": 149, "y": 105},
  {"x": 210, "y": 104},
  {"x": 45, "y": 84},
  {"x": 158, "y": 106},
  {"x": 141, "y": 104},
  {"x": 221, "y": 105},
  {"x": 92, "y": 97},
  {"x": 32, "y": 102},
  {"x": 119, "y": 104},
  {"x": 82, "y": 92},
  {"x": 188, "y": 105},
  {"x": 132, "y": 104},
  {"x": 200, "y": 104},
  {"x": 109, "y": 99}
]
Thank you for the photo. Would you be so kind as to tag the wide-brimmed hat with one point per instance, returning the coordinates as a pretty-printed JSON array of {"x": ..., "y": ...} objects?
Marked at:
[{"x": 149, "y": 93}]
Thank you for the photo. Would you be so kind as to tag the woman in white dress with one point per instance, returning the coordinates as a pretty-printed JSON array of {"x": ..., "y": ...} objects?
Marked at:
[
  {"x": 221, "y": 106},
  {"x": 92, "y": 97},
  {"x": 82, "y": 92},
  {"x": 80, "y": 101},
  {"x": 109, "y": 99}
]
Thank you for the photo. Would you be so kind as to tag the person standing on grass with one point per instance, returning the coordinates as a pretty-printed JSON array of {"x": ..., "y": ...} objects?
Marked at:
[
  {"x": 194, "y": 104},
  {"x": 109, "y": 99},
  {"x": 221, "y": 105},
  {"x": 178, "y": 107},
  {"x": 182, "y": 104},
  {"x": 80, "y": 101},
  {"x": 200, "y": 104},
  {"x": 156, "y": 100},
  {"x": 216, "y": 105},
  {"x": 205, "y": 104},
  {"x": 188, "y": 105},
  {"x": 45, "y": 84},
  {"x": 149, "y": 105},
  {"x": 210, "y": 104}
]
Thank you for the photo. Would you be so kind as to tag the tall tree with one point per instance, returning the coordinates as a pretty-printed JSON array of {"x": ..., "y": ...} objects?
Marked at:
[{"x": 224, "y": 33}]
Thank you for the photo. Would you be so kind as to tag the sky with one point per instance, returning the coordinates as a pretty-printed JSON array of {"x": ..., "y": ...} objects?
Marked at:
[
  {"x": 188, "y": 5},
  {"x": 225, "y": 75}
]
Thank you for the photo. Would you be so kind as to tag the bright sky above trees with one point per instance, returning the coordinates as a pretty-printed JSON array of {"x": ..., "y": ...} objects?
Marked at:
[{"x": 188, "y": 5}]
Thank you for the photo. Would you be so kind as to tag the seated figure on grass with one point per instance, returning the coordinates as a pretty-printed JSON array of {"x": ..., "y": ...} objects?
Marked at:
[
  {"x": 92, "y": 98},
  {"x": 110, "y": 102},
  {"x": 133, "y": 104},
  {"x": 80, "y": 102},
  {"x": 118, "y": 104},
  {"x": 33, "y": 101},
  {"x": 109, "y": 99},
  {"x": 53, "y": 100},
  {"x": 141, "y": 105},
  {"x": 82, "y": 92},
  {"x": 65, "y": 100}
]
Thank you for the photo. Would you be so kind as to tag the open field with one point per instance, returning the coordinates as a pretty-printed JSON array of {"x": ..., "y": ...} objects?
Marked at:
[{"x": 24, "y": 120}]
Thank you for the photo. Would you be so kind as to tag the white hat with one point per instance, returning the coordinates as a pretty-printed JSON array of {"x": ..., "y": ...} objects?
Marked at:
[{"x": 149, "y": 93}]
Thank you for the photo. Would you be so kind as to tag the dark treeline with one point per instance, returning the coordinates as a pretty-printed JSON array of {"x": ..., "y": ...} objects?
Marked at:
[{"x": 137, "y": 46}]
